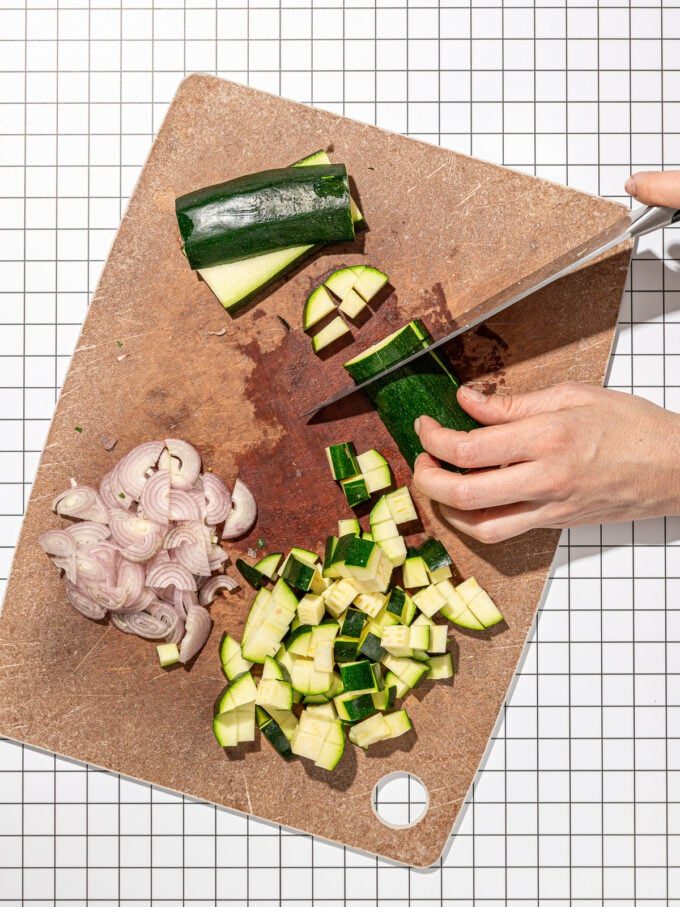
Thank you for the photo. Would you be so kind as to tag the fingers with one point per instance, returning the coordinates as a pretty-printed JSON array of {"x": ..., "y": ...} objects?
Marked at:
[
  {"x": 495, "y": 445},
  {"x": 475, "y": 491},
  {"x": 655, "y": 188},
  {"x": 497, "y": 408},
  {"x": 498, "y": 524}
]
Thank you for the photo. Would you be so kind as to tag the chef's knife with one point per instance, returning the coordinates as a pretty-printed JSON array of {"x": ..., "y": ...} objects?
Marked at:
[{"x": 629, "y": 226}]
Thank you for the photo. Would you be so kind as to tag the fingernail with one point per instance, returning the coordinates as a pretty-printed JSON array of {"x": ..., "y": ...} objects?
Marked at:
[
  {"x": 630, "y": 186},
  {"x": 474, "y": 396},
  {"x": 416, "y": 426}
]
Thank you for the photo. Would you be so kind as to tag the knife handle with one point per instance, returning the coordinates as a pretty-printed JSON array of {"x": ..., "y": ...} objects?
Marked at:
[{"x": 645, "y": 220}]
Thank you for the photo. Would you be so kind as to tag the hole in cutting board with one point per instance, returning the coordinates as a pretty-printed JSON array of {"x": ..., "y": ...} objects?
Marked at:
[{"x": 400, "y": 800}]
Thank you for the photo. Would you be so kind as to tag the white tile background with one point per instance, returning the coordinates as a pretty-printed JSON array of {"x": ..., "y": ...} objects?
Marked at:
[{"x": 580, "y": 799}]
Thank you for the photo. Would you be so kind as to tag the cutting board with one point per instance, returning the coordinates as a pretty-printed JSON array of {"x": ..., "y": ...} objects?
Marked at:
[{"x": 448, "y": 230}]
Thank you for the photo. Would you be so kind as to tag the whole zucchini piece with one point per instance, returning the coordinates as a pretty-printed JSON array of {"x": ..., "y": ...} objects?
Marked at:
[
  {"x": 424, "y": 387},
  {"x": 261, "y": 212}
]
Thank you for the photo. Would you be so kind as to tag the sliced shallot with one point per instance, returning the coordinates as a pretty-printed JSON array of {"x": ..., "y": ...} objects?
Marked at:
[
  {"x": 198, "y": 626},
  {"x": 81, "y": 502},
  {"x": 212, "y": 586},
  {"x": 243, "y": 513},
  {"x": 58, "y": 543},
  {"x": 83, "y": 604},
  {"x": 183, "y": 506},
  {"x": 155, "y": 497},
  {"x": 184, "y": 475},
  {"x": 139, "y": 539},
  {"x": 171, "y": 574},
  {"x": 88, "y": 533},
  {"x": 188, "y": 544},
  {"x": 174, "y": 623},
  {"x": 217, "y": 498},
  {"x": 130, "y": 474},
  {"x": 142, "y": 623}
]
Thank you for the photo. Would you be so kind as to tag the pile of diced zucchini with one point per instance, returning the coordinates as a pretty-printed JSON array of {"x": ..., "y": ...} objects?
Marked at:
[
  {"x": 354, "y": 288},
  {"x": 359, "y": 475},
  {"x": 341, "y": 639}
]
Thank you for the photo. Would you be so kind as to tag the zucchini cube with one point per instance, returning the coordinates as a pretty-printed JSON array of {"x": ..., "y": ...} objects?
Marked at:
[
  {"x": 361, "y": 676},
  {"x": 338, "y": 597},
  {"x": 429, "y": 600},
  {"x": 371, "y": 603},
  {"x": 353, "y": 623},
  {"x": 345, "y": 649},
  {"x": 355, "y": 490},
  {"x": 370, "y": 645},
  {"x": 342, "y": 459},
  {"x": 298, "y": 573},
  {"x": 401, "y": 507}
]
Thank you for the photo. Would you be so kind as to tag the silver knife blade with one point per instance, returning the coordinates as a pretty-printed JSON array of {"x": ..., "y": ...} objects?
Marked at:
[{"x": 630, "y": 225}]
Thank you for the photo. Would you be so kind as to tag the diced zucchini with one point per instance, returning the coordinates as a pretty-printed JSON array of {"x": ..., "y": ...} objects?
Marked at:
[
  {"x": 307, "y": 680},
  {"x": 275, "y": 693},
  {"x": 240, "y": 691},
  {"x": 341, "y": 281},
  {"x": 323, "y": 657},
  {"x": 353, "y": 623},
  {"x": 401, "y": 506},
  {"x": 392, "y": 680},
  {"x": 322, "y": 710},
  {"x": 395, "y": 639},
  {"x": 342, "y": 459},
  {"x": 384, "y": 699},
  {"x": 386, "y": 530},
  {"x": 251, "y": 574},
  {"x": 331, "y": 543},
  {"x": 429, "y": 600},
  {"x": 368, "y": 536},
  {"x": 338, "y": 597},
  {"x": 352, "y": 304},
  {"x": 438, "y": 639},
  {"x": 370, "y": 645},
  {"x": 441, "y": 666},
  {"x": 233, "y": 663},
  {"x": 319, "y": 304},
  {"x": 273, "y": 732},
  {"x": 269, "y": 564},
  {"x": 353, "y": 706},
  {"x": 370, "y": 603},
  {"x": 168, "y": 654},
  {"x": 345, "y": 649},
  {"x": 408, "y": 669},
  {"x": 311, "y": 609},
  {"x": 380, "y": 513},
  {"x": 299, "y": 641},
  {"x": 268, "y": 621},
  {"x": 361, "y": 676},
  {"x": 349, "y": 527},
  {"x": 298, "y": 574},
  {"x": 415, "y": 572},
  {"x": 272, "y": 670},
  {"x": 369, "y": 283},
  {"x": 395, "y": 550},
  {"x": 337, "y": 564},
  {"x": 378, "y": 479},
  {"x": 356, "y": 490},
  {"x": 330, "y": 334},
  {"x": 370, "y": 731},
  {"x": 419, "y": 636}
]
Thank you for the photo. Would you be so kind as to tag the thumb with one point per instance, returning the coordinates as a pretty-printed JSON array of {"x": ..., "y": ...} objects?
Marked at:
[
  {"x": 655, "y": 187},
  {"x": 497, "y": 408}
]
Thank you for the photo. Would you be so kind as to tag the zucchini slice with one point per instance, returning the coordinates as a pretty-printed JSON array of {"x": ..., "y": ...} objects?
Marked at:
[
  {"x": 269, "y": 564},
  {"x": 352, "y": 305},
  {"x": 263, "y": 212}
]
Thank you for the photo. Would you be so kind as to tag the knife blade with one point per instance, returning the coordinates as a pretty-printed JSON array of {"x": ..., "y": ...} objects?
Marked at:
[{"x": 630, "y": 225}]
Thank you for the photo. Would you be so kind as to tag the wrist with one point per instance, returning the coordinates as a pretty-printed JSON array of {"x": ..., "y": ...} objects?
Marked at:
[{"x": 664, "y": 467}]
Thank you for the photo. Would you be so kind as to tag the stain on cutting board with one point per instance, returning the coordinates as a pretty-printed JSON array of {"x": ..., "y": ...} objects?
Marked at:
[{"x": 444, "y": 227}]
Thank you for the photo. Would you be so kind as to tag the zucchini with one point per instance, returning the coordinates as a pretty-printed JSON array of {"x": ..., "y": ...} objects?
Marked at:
[
  {"x": 352, "y": 305},
  {"x": 343, "y": 462},
  {"x": 273, "y": 733},
  {"x": 269, "y": 564},
  {"x": 333, "y": 332},
  {"x": 349, "y": 527},
  {"x": 415, "y": 572},
  {"x": 263, "y": 212},
  {"x": 232, "y": 661},
  {"x": 424, "y": 387},
  {"x": 441, "y": 667},
  {"x": 254, "y": 577},
  {"x": 340, "y": 596},
  {"x": 353, "y": 623},
  {"x": 356, "y": 490},
  {"x": 369, "y": 283},
  {"x": 311, "y": 609},
  {"x": 168, "y": 654},
  {"x": 236, "y": 283},
  {"x": 400, "y": 505},
  {"x": 317, "y": 307}
]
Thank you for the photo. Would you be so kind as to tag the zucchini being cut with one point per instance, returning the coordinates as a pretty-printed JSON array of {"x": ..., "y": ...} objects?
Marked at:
[
  {"x": 342, "y": 459},
  {"x": 330, "y": 334},
  {"x": 237, "y": 282},
  {"x": 425, "y": 387},
  {"x": 263, "y": 212}
]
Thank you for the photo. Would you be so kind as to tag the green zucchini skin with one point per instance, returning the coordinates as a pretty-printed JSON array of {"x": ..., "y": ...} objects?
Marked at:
[
  {"x": 426, "y": 387},
  {"x": 260, "y": 212}
]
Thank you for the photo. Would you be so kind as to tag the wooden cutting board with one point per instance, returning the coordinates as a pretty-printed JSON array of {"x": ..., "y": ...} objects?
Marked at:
[{"x": 448, "y": 230}]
